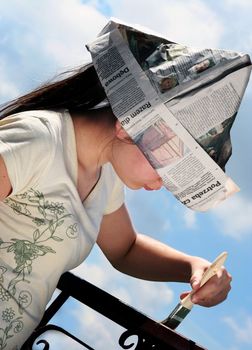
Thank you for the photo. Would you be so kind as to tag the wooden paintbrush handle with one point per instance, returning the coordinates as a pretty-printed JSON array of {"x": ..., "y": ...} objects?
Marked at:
[{"x": 210, "y": 272}]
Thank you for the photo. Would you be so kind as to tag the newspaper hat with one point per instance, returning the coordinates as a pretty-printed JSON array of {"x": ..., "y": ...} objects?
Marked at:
[{"x": 177, "y": 103}]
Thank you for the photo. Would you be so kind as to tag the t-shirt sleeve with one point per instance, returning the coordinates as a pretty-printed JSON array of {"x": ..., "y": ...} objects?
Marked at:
[
  {"x": 26, "y": 146},
  {"x": 117, "y": 196}
]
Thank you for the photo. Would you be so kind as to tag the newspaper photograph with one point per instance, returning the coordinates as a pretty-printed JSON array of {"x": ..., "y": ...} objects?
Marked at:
[{"x": 178, "y": 105}]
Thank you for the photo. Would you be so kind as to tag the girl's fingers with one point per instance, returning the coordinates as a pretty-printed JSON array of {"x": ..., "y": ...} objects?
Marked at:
[{"x": 214, "y": 291}]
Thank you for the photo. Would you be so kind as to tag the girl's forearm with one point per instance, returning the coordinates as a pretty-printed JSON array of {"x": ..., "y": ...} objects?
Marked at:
[{"x": 152, "y": 260}]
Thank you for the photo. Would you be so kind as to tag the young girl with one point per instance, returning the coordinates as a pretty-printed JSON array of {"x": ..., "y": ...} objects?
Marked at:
[{"x": 64, "y": 158}]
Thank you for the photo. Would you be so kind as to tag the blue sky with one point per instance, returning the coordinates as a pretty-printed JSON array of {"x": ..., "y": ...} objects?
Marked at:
[{"x": 41, "y": 39}]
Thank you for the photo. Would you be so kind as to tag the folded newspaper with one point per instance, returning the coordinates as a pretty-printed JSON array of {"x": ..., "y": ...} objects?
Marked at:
[{"x": 177, "y": 103}]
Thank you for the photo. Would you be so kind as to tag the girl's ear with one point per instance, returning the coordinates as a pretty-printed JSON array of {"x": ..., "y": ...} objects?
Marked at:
[{"x": 120, "y": 132}]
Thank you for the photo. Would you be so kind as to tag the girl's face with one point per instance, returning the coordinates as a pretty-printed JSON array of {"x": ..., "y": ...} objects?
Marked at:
[{"x": 131, "y": 165}]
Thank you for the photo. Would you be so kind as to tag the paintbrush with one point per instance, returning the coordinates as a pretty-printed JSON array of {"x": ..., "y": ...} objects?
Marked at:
[{"x": 185, "y": 305}]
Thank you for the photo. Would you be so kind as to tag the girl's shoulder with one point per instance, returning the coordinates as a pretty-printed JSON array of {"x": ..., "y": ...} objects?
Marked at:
[
  {"x": 32, "y": 125},
  {"x": 28, "y": 145}
]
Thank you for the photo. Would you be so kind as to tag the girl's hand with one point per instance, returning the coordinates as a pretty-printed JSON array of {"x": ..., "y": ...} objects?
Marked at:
[{"x": 213, "y": 291}]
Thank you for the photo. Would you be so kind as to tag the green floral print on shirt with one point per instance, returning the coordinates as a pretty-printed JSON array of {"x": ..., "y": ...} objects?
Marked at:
[
  {"x": 12, "y": 325},
  {"x": 49, "y": 217}
]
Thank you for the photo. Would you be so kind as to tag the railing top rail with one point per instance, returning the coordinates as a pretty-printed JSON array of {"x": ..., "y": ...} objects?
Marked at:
[{"x": 152, "y": 335}]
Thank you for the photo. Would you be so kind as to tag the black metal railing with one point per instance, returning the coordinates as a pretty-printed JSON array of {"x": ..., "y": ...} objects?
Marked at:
[{"x": 149, "y": 334}]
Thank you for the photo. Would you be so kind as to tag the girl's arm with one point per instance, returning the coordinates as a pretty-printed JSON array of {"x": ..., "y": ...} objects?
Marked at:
[{"x": 143, "y": 257}]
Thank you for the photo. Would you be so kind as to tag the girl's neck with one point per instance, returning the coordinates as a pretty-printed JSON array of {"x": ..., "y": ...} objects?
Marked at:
[{"x": 93, "y": 146}]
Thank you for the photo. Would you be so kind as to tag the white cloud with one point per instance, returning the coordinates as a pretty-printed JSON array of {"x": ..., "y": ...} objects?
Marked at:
[
  {"x": 56, "y": 29},
  {"x": 58, "y": 340},
  {"x": 76, "y": 24},
  {"x": 8, "y": 89},
  {"x": 242, "y": 330},
  {"x": 234, "y": 217},
  {"x": 97, "y": 330},
  {"x": 92, "y": 324},
  {"x": 151, "y": 298},
  {"x": 190, "y": 219},
  {"x": 238, "y": 36},
  {"x": 239, "y": 3},
  {"x": 181, "y": 21}
]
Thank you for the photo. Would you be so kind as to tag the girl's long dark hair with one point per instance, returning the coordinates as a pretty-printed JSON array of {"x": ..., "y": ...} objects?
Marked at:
[{"x": 79, "y": 91}]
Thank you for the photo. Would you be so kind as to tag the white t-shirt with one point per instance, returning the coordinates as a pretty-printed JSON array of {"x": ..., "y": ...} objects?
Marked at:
[{"x": 45, "y": 229}]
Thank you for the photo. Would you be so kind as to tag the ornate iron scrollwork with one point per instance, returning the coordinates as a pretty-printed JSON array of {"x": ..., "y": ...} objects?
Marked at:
[
  {"x": 142, "y": 333},
  {"x": 41, "y": 332},
  {"x": 142, "y": 342},
  {"x": 47, "y": 346}
]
